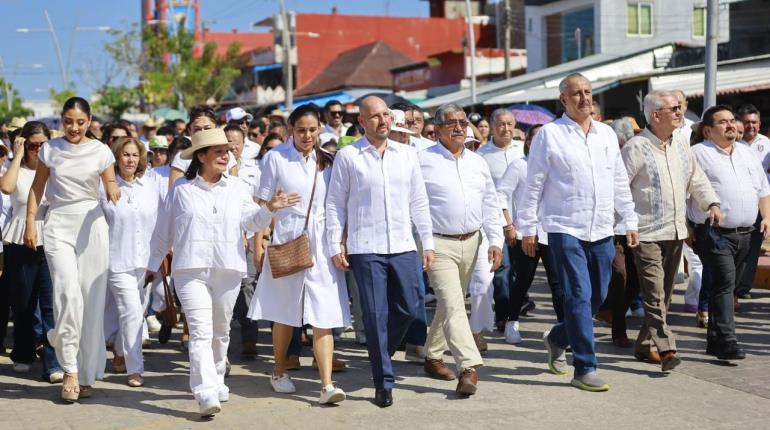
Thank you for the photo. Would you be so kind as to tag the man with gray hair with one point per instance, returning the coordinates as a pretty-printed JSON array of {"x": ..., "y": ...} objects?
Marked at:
[
  {"x": 662, "y": 171},
  {"x": 499, "y": 153},
  {"x": 576, "y": 181},
  {"x": 463, "y": 201}
]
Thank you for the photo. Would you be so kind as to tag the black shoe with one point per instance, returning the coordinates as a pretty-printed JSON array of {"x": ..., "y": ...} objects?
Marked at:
[
  {"x": 383, "y": 397},
  {"x": 744, "y": 296},
  {"x": 731, "y": 352},
  {"x": 527, "y": 307},
  {"x": 711, "y": 348},
  {"x": 164, "y": 334}
]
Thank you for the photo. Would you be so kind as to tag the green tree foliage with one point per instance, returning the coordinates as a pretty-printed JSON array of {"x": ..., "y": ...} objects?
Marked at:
[
  {"x": 16, "y": 108},
  {"x": 61, "y": 96},
  {"x": 116, "y": 100}
]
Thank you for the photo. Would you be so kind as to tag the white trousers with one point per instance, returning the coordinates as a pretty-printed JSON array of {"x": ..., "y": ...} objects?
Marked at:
[
  {"x": 208, "y": 297},
  {"x": 129, "y": 296},
  {"x": 77, "y": 250},
  {"x": 112, "y": 318},
  {"x": 482, "y": 316},
  {"x": 695, "y": 268}
]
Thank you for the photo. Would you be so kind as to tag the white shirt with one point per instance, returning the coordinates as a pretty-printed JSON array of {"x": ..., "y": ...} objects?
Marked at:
[
  {"x": 511, "y": 188},
  {"x": 761, "y": 149},
  {"x": 461, "y": 194},
  {"x": 132, "y": 222},
  {"x": 378, "y": 197},
  {"x": 736, "y": 178},
  {"x": 419, "y": 143},
  {"x": 498, "y": 159},
  {"x": 204, "y": 224},
  {"x": 249, "y": 172},
  {"x": 578, "y": 181},
  {"x": 13, "y": 231},
  {"x": 330, "y": 133},
  {"x": 685, "y": 129},
  {"x": 74, "y": 182},
  {"x": 162, "y": 173},
  {"x": 250, "y": 149}
]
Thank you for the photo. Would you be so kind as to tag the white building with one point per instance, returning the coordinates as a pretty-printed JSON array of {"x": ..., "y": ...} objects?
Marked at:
[{"x": 558, "y": 31}]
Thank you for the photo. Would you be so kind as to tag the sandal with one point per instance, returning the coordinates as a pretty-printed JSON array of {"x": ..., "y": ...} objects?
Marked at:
[
  {"x": 70, "y": 392},
  {"x": 135, "y": 380},
  {"x": 86, "y": 391}
]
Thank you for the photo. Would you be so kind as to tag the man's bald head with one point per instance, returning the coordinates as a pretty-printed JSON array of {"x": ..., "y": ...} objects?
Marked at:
[{"x": 375, "y": 118}]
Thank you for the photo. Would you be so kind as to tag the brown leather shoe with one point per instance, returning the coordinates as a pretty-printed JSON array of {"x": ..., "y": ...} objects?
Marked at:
[
  {"x": 437, "y": 369},
  {"x": 669, "y": 361},
  {"x": 702, "y": 319},
  {"x": 292, "y": 363},
  {"x": 119, "y": 364},
  {"x": 337, "y": 365},
  {"x": 466, "y": 386},
  {"x": 622, "y": 342},
  {"x": 481, "y": 343},
  {"x": 651, "y": 357},
  {"x": 249, "y": 349},
  {"x": 605, "y": 316}
]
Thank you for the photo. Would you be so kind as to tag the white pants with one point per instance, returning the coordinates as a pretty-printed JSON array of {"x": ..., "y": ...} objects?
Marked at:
[
  {"x": 157, "y": 292},
  {"x": 480, "y": 288},
  {"x": 208, "y": 297},
  {"x": 695, "y": 266},
  {"x": 112, "y": 317},
  {"x": 77, "y": 250},
  {"x": 128, "y": 292}
]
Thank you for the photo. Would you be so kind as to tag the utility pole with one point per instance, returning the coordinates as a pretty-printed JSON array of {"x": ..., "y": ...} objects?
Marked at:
[
  {"x": 507, "y": 24},
  {"x": 8, "y": 95},
  {"x": 472, "y": 42},
  {"x": 712, "y": 39},
  {"x": 288, "y": 73},
  {"x": 64, "y": 75}
]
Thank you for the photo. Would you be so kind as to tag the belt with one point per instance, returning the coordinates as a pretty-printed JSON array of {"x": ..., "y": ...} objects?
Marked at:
[
  {"x": 723, "y": 230},
  {"x": 463, "y": 236}
]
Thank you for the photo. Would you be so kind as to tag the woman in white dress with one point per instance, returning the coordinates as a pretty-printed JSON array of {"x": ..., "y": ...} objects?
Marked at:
[
  {"x": 131, "y": 224},
  {"x": 316, "y": 296},
  {"x": 26, "y": 269},
  {"x": 203, "y": 219},
  {"x": 75, "y": 239}
]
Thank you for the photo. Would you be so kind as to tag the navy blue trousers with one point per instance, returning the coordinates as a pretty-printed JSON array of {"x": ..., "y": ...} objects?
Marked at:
[{"x": 389, "y": 290}]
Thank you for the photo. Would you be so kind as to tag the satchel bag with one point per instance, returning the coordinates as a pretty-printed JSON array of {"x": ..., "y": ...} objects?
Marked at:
[
  {"x": 293, "y": 256},
  {"x": 169, "y": 314}
]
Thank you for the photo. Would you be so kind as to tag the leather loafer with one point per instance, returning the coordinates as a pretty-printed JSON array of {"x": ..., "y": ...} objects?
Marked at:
[
  {"x": 669, "y": 361},
  {"x": 466, "y": 386},
  {"x": 730, "y": 351},
  {"x": 623, "y": 342},
  {"x": 383, "y": 397},
  {"x": 437, "y": 369},
  {"x": 651, "y": 357}
]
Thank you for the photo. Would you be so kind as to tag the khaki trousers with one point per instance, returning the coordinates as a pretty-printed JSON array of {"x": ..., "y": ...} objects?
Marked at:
[
  {"x": 449, "y": 278},
  {"x": 657, "y": 264}
]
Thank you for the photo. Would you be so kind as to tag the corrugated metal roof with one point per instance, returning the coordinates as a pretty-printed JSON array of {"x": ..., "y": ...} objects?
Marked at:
[{"x": 730, "y": 78}]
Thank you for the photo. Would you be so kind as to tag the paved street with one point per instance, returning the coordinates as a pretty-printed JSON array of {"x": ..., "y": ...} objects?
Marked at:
[{"x": 515, "y": 389}]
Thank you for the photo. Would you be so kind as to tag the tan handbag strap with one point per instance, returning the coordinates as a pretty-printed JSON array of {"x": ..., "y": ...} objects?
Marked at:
[{"x": 312, "y": 196}]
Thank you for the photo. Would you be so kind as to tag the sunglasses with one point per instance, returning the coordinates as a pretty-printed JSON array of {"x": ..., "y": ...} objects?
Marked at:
[
  {"x": 253, "y": 135},
  {"x": 335, "y": 113}
]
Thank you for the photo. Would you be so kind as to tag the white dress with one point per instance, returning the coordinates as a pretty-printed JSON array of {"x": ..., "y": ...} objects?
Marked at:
[
  {"x": 317, "y": 296},
  {"x": 14, "y": 232}
]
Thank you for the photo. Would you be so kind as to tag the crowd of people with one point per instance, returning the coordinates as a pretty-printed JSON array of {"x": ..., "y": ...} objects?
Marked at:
[{"x": 303, "y": 220}]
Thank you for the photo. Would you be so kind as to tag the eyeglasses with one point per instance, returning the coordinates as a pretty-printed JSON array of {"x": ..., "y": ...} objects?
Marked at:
[
  {"x": 33, "y": 144},
  {"x": 454, "y": 123},
  {"x": 253, "y": 135},
  {"x": 677, "y": 108},
  {"x": 335, "y": 113}
]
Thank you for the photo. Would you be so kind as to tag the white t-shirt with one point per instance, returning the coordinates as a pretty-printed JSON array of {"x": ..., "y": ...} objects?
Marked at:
[{"x": 74, "y": 181}]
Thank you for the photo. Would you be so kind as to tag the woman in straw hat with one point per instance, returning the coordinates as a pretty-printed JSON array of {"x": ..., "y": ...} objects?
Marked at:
[{"x": 209, "y": 211}]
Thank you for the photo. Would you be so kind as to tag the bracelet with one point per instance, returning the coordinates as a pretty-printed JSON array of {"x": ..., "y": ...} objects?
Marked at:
[
  {"x": 508, "y": 227},
  {"x": 713, "y": 205}
]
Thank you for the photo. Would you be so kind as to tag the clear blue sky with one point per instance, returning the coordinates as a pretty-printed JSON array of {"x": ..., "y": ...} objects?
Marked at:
[{"x": 30, "y": 58}]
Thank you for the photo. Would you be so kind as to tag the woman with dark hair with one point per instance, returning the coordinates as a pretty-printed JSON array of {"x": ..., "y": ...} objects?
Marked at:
[
  {"x": 131, "y": 223},
  {"x": 316, "y": 296},
  {"x": 201, "y": 118},
  {"x": 203, "y": 219},
  {"x": 27, "y": 269},
  {"x": 75, "y": 235},
  {"x": 114, "y": 131}
]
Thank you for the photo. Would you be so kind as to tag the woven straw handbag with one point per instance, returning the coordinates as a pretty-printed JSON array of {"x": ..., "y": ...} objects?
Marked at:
[{"x": 293, "y": 256}]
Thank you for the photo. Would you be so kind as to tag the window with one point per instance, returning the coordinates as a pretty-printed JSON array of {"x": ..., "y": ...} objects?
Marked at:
[
  {"x": 699, "y": 21},
  {"x": 639, "y": 19}
]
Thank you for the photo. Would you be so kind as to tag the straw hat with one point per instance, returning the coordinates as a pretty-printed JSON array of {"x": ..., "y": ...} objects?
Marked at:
[
  {"x": 204, "y": 139},
  {"x": 151, "y": 123},
  {"x": 16, "y": 123}
]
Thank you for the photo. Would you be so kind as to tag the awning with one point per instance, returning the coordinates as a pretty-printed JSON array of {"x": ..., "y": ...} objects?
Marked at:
[
  {"x": 263, "y": 67},
  {"x": 541, "y": 93},
  {"x": 731, "y": 78}
]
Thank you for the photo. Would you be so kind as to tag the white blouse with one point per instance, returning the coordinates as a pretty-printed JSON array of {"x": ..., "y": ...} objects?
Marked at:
[
  {"x": 14, "y": 233},
  {"x": 74, "y": 182},
  {"x": 132, "y": 222},
  {"x": 204, "y": 224}
]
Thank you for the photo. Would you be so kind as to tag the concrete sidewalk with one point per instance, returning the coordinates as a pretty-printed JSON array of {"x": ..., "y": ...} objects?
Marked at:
[{"x": 515, "y": 388}]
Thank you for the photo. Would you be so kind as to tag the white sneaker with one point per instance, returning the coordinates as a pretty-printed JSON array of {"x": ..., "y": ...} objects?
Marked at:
[
  {"x": 56, "y": 377},
  {"x": 153, "y": 325},
  {"x": 21, "y": 367},
  {"x": 209, "y": 405},
  {"x": 512, "y": 334},
  {"x": 331, "y": 394},
  {"x": 224, "y": 393},
  {"x": 414, "y": 353},
  {"x": 282, "y": 384}
]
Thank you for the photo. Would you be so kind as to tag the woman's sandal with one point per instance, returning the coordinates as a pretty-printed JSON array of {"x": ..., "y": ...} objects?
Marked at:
[
  {"x": 70, "y": 392},
  {"x": 86, "y": 391}
]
